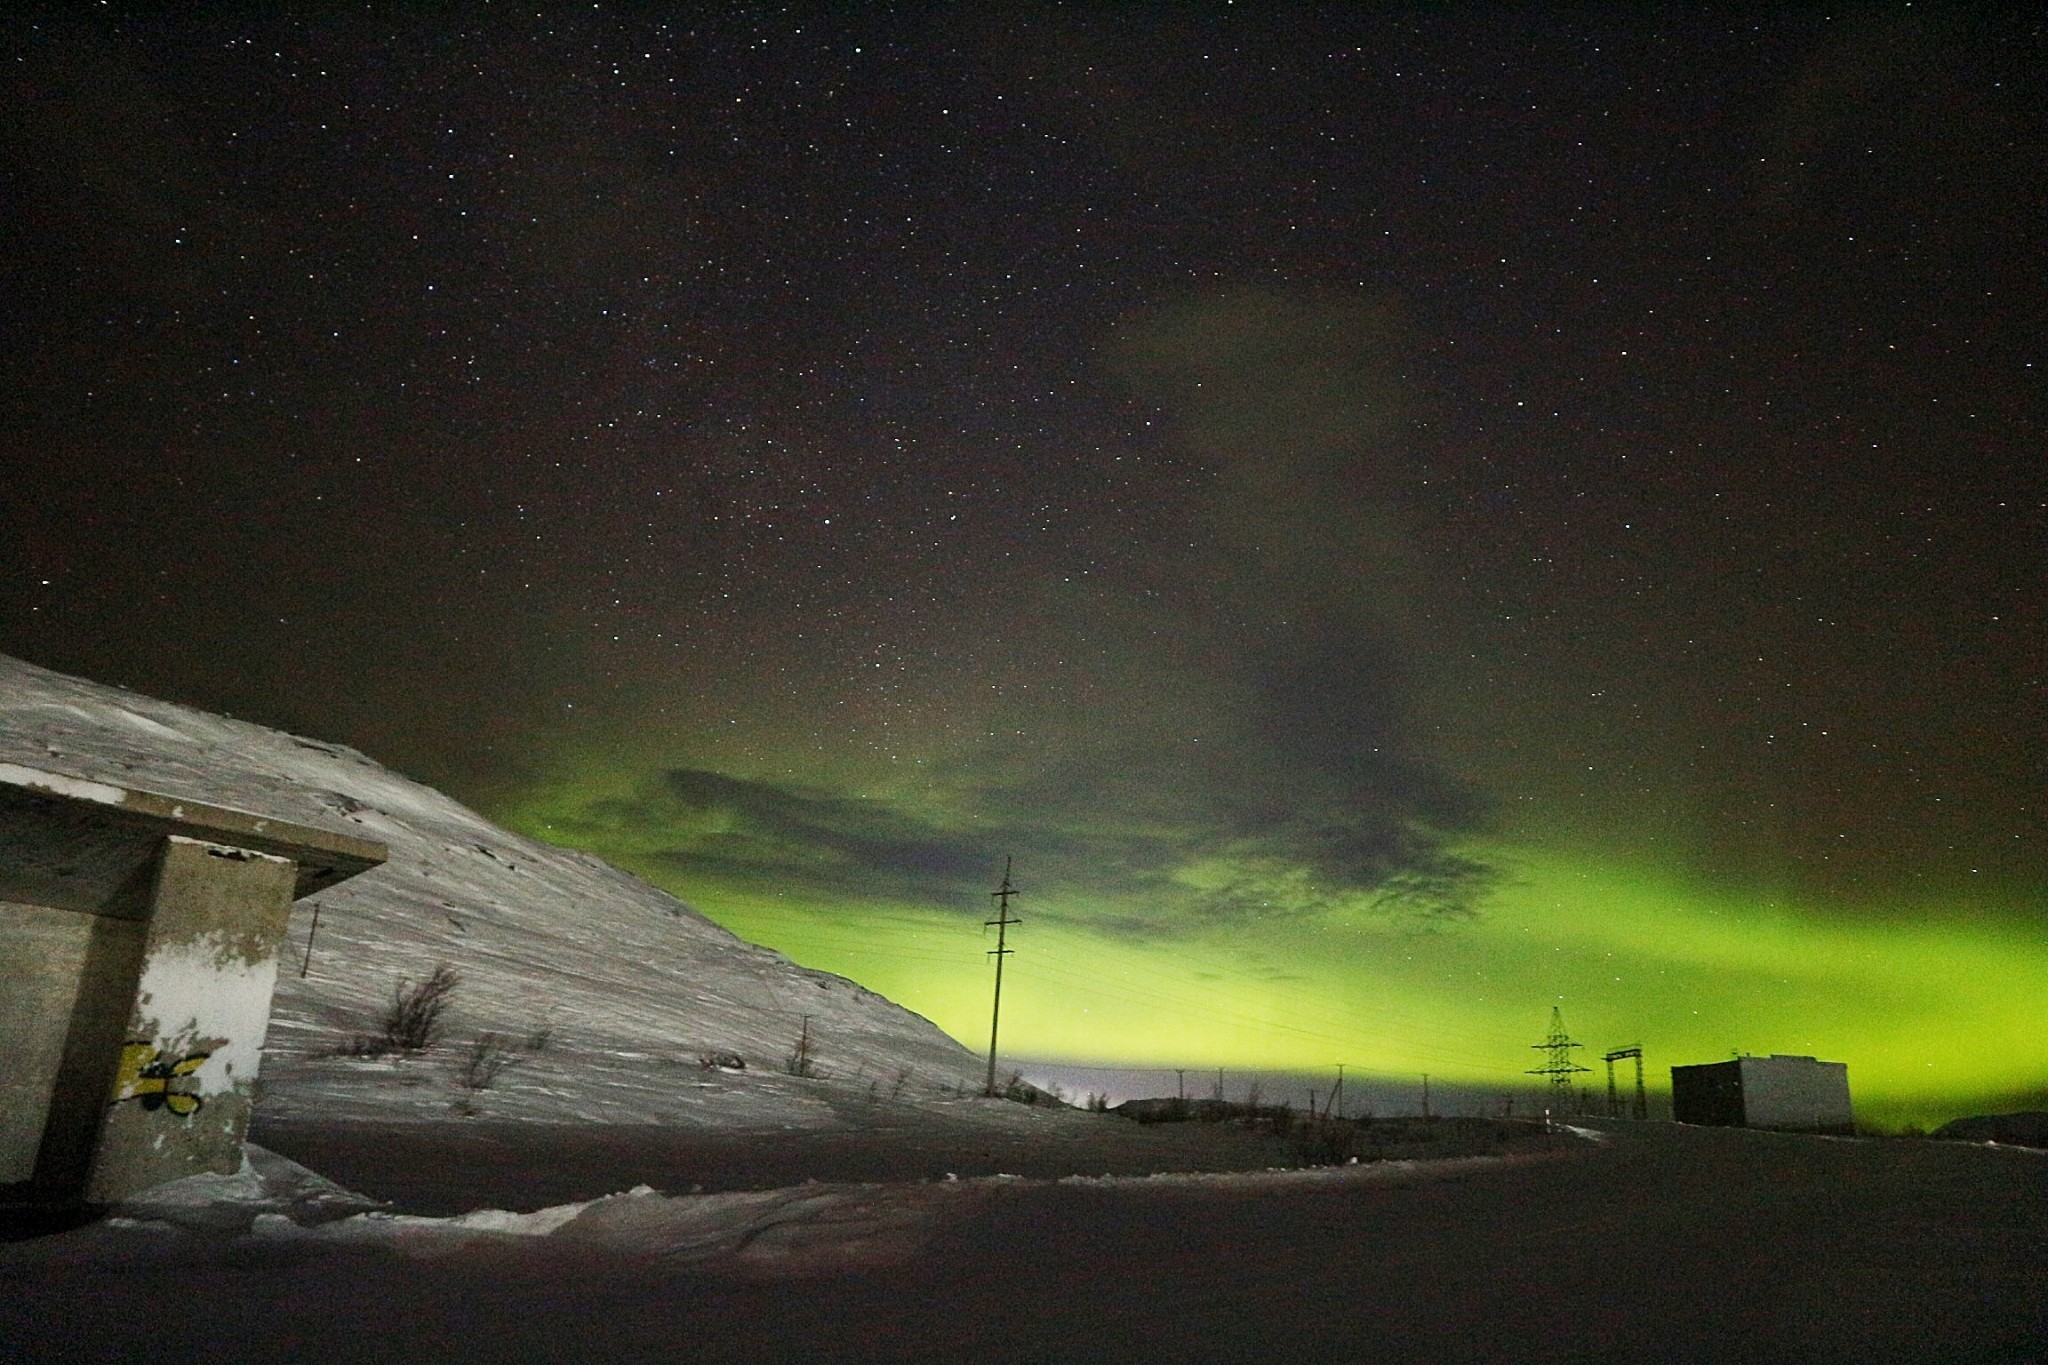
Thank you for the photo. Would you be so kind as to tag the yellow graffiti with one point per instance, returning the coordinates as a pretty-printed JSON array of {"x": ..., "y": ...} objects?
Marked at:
[{"x": 151, "y": 1077}]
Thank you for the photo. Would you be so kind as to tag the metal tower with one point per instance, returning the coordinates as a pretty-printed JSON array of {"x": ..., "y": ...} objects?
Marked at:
[
  {"x": 1642, "y": 1104},
  {"x": 1558, "y": 1063}
]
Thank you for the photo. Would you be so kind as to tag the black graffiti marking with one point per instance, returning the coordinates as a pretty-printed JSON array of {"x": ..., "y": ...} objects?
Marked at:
[{"x": 154, "y": 1079}]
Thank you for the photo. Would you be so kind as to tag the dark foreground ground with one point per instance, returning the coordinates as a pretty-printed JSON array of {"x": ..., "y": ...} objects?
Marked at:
[
  {"x": 1662, "y": 1244},
  {"x": 447, "y": 1168}
]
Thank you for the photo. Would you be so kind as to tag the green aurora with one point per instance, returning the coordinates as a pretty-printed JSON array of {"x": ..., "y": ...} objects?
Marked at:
[
  {"x": 1934, "y": 1007},
  {"x": 1324, "y": 767}
]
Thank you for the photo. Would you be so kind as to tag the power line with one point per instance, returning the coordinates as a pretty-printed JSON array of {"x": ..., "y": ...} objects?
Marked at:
[
  {"x": 1208, "y": 1010},
  {"x": 1404, "y": 1029},
  {"x": 1402, "y": 1032},
  {"x": 1382, "y": 1015}
]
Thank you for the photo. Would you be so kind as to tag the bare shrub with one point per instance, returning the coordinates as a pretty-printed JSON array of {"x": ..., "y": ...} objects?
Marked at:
[
  {"x": 1024, "y": 1092},
  {"x": 1325, "y": 1142},
  {"x": 412, "y": 1022},
  {"x": 799, "y": 1062},
  {"x": 489, "y": 1055},
  {"x": 541, "y": 1036}
]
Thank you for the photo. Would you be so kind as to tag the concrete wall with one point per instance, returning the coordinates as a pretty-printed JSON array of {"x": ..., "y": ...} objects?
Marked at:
[
  {"x": 42, "y": 952},
  {"x": 1765, "y": 1092},
  {"x": 92, "y": 1045},
  {"x": 1710, "y": 1093},
  {"x": 1796, "y": 1092}
]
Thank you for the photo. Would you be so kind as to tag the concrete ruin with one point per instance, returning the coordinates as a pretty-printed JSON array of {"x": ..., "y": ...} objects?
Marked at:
[
  {"x": 139, "y": 942},
  {"x": 1792, "y": 1093}
]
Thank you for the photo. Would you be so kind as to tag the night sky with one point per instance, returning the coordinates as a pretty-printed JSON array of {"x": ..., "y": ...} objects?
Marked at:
[{"x": 1394, "y": 522}]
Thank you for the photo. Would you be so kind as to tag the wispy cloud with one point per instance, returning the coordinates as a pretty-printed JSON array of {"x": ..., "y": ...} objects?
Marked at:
[{"x": 1242, "y": 749}]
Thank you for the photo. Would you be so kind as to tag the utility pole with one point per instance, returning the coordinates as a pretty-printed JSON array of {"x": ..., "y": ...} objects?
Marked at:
[
  {"x": 1425, "y": 1094},
  {"x": 1181, "y": 1086},
  {"x": 800, "y": 1060},
  {"x": 1558, "y": 1065},
  {"x": 307, "y": 964},
  {"x": 1337, "y": 1100},
  {"x": 1001, "y": 924}
]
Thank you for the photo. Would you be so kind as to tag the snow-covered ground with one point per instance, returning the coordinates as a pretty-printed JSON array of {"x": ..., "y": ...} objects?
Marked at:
[
  {"x": 628, "y": 986},
  {"x": 1661, "y": 1243},
  {"x": 816, "y": 1228}
]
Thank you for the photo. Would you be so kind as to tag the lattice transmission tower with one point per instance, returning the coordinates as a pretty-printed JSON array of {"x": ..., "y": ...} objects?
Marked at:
[{"x": 1558, "y": 1064}]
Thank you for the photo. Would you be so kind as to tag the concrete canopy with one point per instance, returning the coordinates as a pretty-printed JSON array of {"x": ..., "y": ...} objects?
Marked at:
[{"x": 76, "y": 844}]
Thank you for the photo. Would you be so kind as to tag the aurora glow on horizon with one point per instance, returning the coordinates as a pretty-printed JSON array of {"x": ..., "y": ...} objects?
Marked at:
[
  {"x": 1122, "y": 973},
  {"x": 1395, "y": 522}
]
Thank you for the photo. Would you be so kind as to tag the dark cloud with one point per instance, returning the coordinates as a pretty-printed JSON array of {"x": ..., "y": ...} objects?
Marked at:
[
  {"x": 762, "y": 833},
  {"x": 1134, "y": 844}
]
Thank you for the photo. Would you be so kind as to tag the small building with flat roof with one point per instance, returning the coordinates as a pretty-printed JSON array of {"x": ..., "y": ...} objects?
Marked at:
[
  {"x": 139, "y": 939},
  {"x": 1786, "y": 1092}
]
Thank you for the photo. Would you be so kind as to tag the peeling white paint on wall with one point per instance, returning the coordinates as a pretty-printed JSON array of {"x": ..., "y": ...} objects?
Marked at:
[{"x": 204, "y": 994}]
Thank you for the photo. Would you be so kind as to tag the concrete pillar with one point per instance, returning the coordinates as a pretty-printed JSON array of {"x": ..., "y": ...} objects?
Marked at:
[{"x": 196, "y": 1023}]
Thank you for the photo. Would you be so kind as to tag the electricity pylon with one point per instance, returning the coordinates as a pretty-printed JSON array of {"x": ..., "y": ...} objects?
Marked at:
[{"x": 1559, "y": 1065}]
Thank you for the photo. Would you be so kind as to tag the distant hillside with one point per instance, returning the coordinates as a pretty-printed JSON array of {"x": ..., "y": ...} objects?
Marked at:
[
  {"x": 626, "y": 986},
  {"x": 2028, "y": 1129}
]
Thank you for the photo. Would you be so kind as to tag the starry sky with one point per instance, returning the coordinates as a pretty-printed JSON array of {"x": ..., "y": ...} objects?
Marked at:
[{"x": 1394, "y": 521}]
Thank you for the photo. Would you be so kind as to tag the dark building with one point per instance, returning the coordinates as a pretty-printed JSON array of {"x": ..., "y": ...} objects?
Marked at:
[{"x": 1794, "y": 1093}]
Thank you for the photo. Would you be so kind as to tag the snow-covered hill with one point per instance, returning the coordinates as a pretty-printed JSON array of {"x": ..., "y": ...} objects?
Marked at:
[{"x": 625, "y": 987}]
